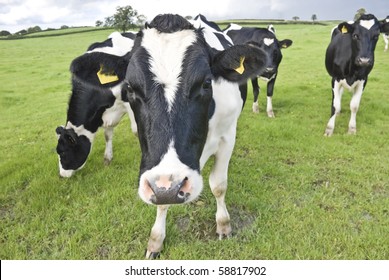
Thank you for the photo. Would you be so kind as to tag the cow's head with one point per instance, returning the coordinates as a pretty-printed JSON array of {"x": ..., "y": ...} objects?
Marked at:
[
  {"x": 385, "y": 25},
  {"x": 72, "y": 150},
  {"x": 170, "y": 78},
  {"x": 97, "y": 79},
  {"x": 272, "y": 47},
  {"x": 364, "y": 36}
]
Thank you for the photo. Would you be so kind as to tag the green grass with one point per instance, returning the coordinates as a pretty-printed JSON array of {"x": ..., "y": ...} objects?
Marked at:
[{"x": 293, "y": 193}]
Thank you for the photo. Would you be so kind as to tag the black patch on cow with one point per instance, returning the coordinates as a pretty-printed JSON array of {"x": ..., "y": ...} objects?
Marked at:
[
  {"x": 129, "y": 35},
  {"x": 225, "y": 43},
  {"x": 106, "y": 43},
  {"x": 87, "y": 104},
  {"x": 72, "y": 149},
  {"x": 169, "y": 23}
]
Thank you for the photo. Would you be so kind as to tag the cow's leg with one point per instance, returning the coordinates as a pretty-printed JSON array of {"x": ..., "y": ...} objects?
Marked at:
[
  {"x": 218, "y": 182},
  {"x": 337, "y": 91},
  {"x": 158, "y": 233},
  {"x": 256, "y": 90},
  {"x": 386, "y": 40},
  {"x": 270, "y": 90},
  {"x": 354, "y": 106},
  {"x": 108, "y": 153}
]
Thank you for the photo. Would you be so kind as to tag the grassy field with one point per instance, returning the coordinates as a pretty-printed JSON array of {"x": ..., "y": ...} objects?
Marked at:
[{"x": 293, "y": 193}]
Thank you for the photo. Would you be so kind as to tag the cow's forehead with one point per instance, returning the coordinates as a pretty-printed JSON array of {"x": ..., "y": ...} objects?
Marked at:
[
  {"x": 268, "y": 41},
  {"x": 166, "y": 62},
  {"x": 368, "y": 24}
]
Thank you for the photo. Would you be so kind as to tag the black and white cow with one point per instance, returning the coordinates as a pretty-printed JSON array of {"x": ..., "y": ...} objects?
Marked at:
[
  {"x": 96, "y": 101},
  {"x": 385, "y": 33},
  {"x": 267, "y": 40},
  {"x": 186, "y": 101},
  {"x": 349, "y": 60}
]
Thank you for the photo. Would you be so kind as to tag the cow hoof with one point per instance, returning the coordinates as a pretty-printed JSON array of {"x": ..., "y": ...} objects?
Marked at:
[
  {"x": 255, "y": 109},
  {"x": 328, "y": 132},
  {"x": 152, "y": 255},
  {"x": 270, "y": 114},
  {"x": 225, "y": 236},
  {"x": 107, "y": 161},
  {"x": 352, "y": 130}
]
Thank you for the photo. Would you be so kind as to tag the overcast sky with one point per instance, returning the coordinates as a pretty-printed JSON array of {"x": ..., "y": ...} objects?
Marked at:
[{"x": 16, "y": 15}]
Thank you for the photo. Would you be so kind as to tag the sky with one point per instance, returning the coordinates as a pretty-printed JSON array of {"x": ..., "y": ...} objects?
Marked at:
[{"x": 16, "y": 15}]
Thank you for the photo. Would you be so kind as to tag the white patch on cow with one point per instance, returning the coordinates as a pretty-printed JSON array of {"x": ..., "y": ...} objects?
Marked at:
[
  {"x": 81, "y": 130},
  {"x": 210, "y": 34},
  {"x": 367, "y": 23},
  {"x": 120, "y": 45},
  {"x": 387, "y": 20},
  {"x": 268, "y": 41},
  {"x": 113, "y": 115},
  {"x": 271, "y": 29},
  {"x": 233, "y": 26},
  {"x": 171, "y": 163},
  {"x": 166, "y": 62},
  {"x": 212, "y": 40},
  {"x": 67, "y": 173}
]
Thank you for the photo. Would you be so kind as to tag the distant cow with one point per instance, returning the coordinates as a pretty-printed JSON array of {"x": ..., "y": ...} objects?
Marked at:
[
  {"x": 96, "y": 101},
  {"x": 349, "y": 60},
  {"x": 267, "y": 40},
  {"x": 186, "y": 101}
]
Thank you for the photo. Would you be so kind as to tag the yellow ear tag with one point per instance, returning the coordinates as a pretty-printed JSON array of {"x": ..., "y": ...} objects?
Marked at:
[
  {"x": 344, "y": 29},
  {"x": 240, "y": 69},
  {"x": 106, "y": 78}
]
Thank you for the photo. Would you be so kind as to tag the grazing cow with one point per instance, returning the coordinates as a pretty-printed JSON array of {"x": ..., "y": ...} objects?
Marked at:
[
  {"x": 385, "y": 33},
  {"x": 267, "y": 40},
  {"x": 96, "y": 101},
  {"x": 349, "y": 60},
  {"x": 186, "y": 101}
]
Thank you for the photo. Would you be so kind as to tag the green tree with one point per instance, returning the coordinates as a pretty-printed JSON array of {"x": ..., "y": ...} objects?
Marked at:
[
  {"x": 99, "y": 23},
  {"x": 108, "y": 22},
  {"x": 295, "y": 18},
  {"x": 5, "y": 33},
  {"x": 125, "y": 18},
  {"x": 34, "y": 29},
  {"x": 360, "y": 12},
  {"x": 314, "y": 17}
]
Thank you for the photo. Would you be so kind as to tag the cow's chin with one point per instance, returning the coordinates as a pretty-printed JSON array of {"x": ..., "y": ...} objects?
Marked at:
[
  {"x": 65, "y": 173},
  {"x": 167, "y": 189}
]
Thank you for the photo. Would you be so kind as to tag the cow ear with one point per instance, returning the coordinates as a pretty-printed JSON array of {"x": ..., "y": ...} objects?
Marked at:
[
  {"x": 99, "y": 69},
  {"x": 239, "y": 63},
  {"x": 345, "y": 28},
  {"x": 384, "y": 26},
  {"x": 284, "y": 44},
  {"x": 59, "y": 130}
]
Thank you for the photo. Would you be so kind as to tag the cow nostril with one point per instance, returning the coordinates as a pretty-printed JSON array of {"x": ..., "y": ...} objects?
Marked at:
[{"x": 181, "y": 194}]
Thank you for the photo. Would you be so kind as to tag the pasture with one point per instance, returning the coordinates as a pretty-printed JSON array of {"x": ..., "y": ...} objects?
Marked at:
[{"x": 293, "y": 193}]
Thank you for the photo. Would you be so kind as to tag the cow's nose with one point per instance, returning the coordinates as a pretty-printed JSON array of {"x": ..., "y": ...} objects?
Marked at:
[
  {"x": 165, "y": 190},
  {"x": 363, "y": 61}
]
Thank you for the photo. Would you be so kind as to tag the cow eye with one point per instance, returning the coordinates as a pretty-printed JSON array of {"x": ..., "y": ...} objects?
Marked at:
[{"x": 207, "y": 84}]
